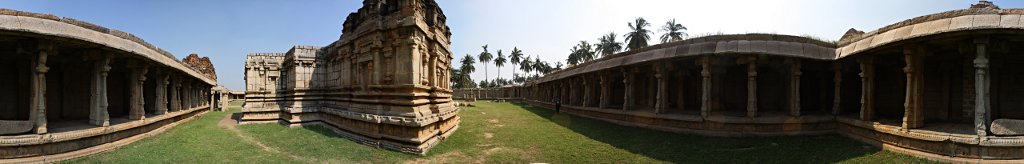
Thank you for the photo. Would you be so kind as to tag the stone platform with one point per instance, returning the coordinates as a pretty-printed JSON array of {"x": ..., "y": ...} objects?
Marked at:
[
  {"x": 71, "y": 144},
  {"x": 715, "y": 125}
]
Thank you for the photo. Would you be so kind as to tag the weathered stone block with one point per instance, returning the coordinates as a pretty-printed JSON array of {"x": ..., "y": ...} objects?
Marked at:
[
  {"x": 1010, "y": 21},
  {"x": 882, "y": 38},
  {"x": 901, "y": 33},
  {"x": 1010, "y": 127},
  {"x": 758, "y": 46},
  {"x": 986, "y": 21},
  {"x": 930, "y": 27},
  {"x": 743, "y": 46},
  {"x": 961, "y": 22}
]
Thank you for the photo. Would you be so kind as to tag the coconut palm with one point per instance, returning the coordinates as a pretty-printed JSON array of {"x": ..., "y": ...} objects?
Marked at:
[
  {"x": 608, "y": 45},
  {"x": 499, "y": 62},
  {"x": 538, "y": 66},
  {"x": 582, "y": 52},
  {"x": 485, "y": 57},
  {"x": 639, "y": 35},
  {"x": 516, "y": 56},
  {"x": 674, "y": 31},
  {"x": 586, "y": 51},
  {"x": 574, "y": 55},
  {"x": 466, "y": 69},
  {"x": 526, "y": 65}
]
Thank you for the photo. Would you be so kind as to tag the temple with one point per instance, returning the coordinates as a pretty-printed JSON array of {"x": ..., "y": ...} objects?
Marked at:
[
  {"x": 944, "y": 86},
  {"x": 71, "y": 88},
  {"x": 384, "y": 83}
]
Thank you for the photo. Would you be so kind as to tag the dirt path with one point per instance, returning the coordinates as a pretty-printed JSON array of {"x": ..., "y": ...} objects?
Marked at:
[{"x": 228, "y": 123}]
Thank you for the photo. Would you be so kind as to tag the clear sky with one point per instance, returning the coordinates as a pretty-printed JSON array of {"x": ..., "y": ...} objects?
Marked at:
[{"x": 228, "y": 30}]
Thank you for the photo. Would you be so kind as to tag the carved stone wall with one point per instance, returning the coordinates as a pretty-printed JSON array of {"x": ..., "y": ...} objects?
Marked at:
[{"x": 383, "y": 83}]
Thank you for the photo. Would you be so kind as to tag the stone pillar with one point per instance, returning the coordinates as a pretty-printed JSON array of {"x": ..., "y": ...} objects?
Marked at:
[
  {"x": 37, "y": 111},
  {"x": 628, "y": 81},
  {"x": 751, "y": 61},
  {"x": 138, "y": 102},
  {"x": 186, "y": 96},
  {"x": 224, "y": 99},
  {"x": 586, "y": 91},
  {"x": 867, "y": 95},
  {"x": 161, "y": 92},
  {"x": 605, "y": 85},
  {"x": 705, "y": 73},
  {"x": 662, "y": 90},
  {"x": 838, "y": 79},
  {"x": 794, "y": 86},
  {"x": 913, "y": 116},
  {"x": 98, "y": 114},
  {"x": 175, "y": 99},
  {"x": 981, "y": 88},
  {"x": 211, "y": 103}
]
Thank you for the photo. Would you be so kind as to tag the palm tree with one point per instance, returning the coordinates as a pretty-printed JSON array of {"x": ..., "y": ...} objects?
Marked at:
[
  {"x": 499, "y": 61},
  {"x": 526, "y": 65},
  {"x": 485, "y": 57},
  {"x": 674, "y": 31},
  {"x": 455, "y": 77},
  {"x": 537, "y": 64},
  {"x": 639, "y": 36},
  {"x": 516, "y": 56},
  {"x": 586, "y": 51},
  {"x": 466, "y": 69},
  {"x": 608, "y": 45},
  {"x": 558, "y": 65},
  {"x": 582, "y": 52},
  {"x": 574, "y": 55}
]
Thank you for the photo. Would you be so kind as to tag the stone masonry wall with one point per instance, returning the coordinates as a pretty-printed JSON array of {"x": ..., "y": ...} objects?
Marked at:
[{"x": 203, "y": 65}]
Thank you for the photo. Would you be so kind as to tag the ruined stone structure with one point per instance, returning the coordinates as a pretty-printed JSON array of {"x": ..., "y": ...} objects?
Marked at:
[
  {"x": 203, "y": 65},
  {"x": 944, "y": 86},
  {"x": 383, "y": 83},
  {"x": 220, "y": 97},
  {"x": 71, "y": 88}
]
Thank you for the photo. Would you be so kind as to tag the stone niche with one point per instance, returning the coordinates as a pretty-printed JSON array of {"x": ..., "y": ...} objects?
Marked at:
[{"x": 383, "y": 83}]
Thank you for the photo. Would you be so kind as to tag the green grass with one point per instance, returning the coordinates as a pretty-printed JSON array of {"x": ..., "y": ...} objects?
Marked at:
[
  {"x": 492, "y": 133},
  {"x": 197, "y": 141}
]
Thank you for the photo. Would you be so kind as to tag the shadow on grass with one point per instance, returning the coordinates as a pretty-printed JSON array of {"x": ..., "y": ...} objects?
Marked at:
[{"x": 688, "y": 148}]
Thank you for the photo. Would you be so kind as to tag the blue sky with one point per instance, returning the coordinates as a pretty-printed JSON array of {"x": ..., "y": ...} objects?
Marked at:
[{"x": 228, "y": 30}]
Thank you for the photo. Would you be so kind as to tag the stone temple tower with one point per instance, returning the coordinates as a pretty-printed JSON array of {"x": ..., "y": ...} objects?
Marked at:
[{"x": 384, "y": 83}]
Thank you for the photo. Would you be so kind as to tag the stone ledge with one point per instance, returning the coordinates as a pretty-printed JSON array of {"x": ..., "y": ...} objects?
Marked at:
[
  {"x": 697, "y": 125},
  {"x": 367, "y": 117},
  {"x": 36, "y": 139},
  {"x": 69, "y": 150},
  {"x": 420, "y": 149}
]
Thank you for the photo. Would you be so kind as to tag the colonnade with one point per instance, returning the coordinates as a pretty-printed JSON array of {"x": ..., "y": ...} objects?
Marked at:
[{"x": 180, "y": 91}]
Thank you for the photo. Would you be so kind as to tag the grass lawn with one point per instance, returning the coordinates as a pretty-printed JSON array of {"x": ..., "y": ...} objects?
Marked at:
[{"x": 489, "y": 133}]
